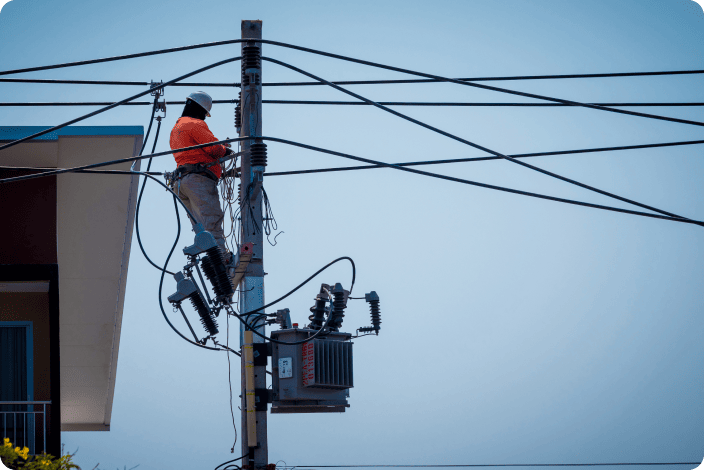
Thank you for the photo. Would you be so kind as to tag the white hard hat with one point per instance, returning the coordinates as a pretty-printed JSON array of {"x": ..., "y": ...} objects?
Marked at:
[{"x": 203, "y": 99}]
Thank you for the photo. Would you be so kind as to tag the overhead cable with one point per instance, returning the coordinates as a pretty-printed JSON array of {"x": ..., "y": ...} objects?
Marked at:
[
  {"x": 348, "y": 82},
  {"x": 108, "y": 82},
  {"x": 488, "y": 79},
  {"x": 126, "y": 100},
  {"x": 472, "y": 144},
  {"x": 482, "y": 185},
  {"x": 414, "y": 163},
  {"x": 477, "y": 85},
  {"x": 358, "y": 61},
  {"x": 359, "y": 159},
  {"x": 122, "y": 57},
  {"x": 310, "y": 278},
  {"x": 503, "y": 465},
  {"x": 359, "y": 103},
  {"x": 477, "y": 159},
  {"x": 78, "y": 169}
]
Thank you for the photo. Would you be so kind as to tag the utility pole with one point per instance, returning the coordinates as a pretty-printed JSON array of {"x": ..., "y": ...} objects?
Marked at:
[{"x": 253, "y": 348}]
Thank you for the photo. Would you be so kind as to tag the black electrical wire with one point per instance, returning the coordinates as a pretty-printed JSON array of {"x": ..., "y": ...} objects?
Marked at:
[
  {"x": 365, "y": 160},
  {"x": 503, "y": 465},
  {"x": 108, "y": 82},
  {"x": 249, "y": 327},
  {"x": 488, "y": 79},
  {"x": 126, "y": 100},
  {"x": 477, "y": 85},
  {"x": 141, "y": 192},
  {"x": 349, "y": 82},
  {"x": 99, "y": 103},
  {"x": 415, "y": 163},
  {"x": 482, "y": 185},
  {"x": 477, "y": 159},
  {"x": 230, "y": 461},
  {"x": 123, "y": 57},
  {"x": 472, "y": 144},
  {"x": 78, "y": 169},
  {"x": 462, "y": 104},
  {"x": 358, "y": 103}
]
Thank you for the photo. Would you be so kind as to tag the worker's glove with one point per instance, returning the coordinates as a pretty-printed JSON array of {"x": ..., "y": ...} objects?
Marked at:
[
  {"x": 232, "y": 173},
  {"x": 228, "y": 152}
]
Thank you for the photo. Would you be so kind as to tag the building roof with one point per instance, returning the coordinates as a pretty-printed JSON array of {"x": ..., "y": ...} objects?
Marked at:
[
  {"x": 19, "y": 132},
  {"x": 95, "y": 216}
]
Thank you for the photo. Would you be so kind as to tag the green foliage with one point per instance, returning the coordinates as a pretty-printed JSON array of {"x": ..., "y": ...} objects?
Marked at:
[{"x": 16, "y": 459}]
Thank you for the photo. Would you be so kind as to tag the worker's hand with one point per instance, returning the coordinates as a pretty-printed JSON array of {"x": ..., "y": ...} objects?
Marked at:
[{"x": 228, "y": 151}]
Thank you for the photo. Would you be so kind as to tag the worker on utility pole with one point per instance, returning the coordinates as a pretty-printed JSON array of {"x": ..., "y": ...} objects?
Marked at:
[{"x": 196, "y": 178}]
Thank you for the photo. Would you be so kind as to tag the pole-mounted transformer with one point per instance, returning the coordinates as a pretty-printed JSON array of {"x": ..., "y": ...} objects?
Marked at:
[{"x": 316, "y": 376}]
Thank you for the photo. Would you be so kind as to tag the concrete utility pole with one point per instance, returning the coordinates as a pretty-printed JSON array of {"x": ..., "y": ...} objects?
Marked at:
[{"x": 254, "y": 357}]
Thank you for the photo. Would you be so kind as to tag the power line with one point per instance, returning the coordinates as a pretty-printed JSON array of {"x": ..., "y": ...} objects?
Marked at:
[
  {"x": 477, "y": 104},
  {"x": 477, "y": 85},
  {"x": 476, "y": 183},
  {"x": 358, "y": 103},
  {"x": 109, "y": 82},
  {"x": 358, "y": 61},
  {"x": 126, "y": 100},
  {"x": 122, "y": 57},
  {"x": 477, "y": 159},
  {"x": 364, "y": 160},
  {"x": 472, "y": 144},
  {"x": 58, "y": 171},
  {"x": 414, "y": 163},
  {"x": 503, "y": 465},
  {"x": 487, "y": 79}
]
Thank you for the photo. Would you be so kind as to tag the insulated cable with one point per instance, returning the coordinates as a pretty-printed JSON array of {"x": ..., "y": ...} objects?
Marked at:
[
  {"x": 107, "y": 82},
  {"x": 358, "y": 61},
  {"x": 58, "y": 171},
  {"x": 477, "y": 159},
  {"x": 365, "y": 160},
  {"x": 502, "y": 465},
  {"x": 477, "y": 85},
  {"x": 472, "y": 144},
  {"x": 141, "y": 192},
  {"x": 358, "y": 103},
  {"x": 126, "y": 100},
  {"x": 305, "y": 49},
  {"x": 482, "y": 185},
  {"x": 249, "y": 327},
  {"x": 415, "y": 163}
]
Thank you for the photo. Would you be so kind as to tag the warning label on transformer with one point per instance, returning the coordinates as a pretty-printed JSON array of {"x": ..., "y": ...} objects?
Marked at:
[
  {"x": 308, "y": 354},
  {"x": 285, "y": 367}
]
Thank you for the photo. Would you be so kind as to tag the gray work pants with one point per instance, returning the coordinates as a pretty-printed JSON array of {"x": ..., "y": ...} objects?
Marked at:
[{"x": 200, "y": 195}]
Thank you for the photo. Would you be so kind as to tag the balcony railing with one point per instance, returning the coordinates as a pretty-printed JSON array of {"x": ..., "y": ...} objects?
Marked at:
[{"x": 20, "y": 423}]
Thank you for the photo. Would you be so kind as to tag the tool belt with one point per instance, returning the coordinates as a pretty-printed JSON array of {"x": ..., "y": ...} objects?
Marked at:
[{"x": 197, "y": 168}]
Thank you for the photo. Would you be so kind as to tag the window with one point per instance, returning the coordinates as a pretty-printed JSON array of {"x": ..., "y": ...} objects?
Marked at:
[{"x": 16, "y": 382}]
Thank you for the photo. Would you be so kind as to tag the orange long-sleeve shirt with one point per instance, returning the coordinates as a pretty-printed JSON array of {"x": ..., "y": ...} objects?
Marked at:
[{"x": 188, "y": 132}]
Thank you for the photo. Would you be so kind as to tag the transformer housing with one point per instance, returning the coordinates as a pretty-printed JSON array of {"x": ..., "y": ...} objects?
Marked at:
[{"x": 313, "y": 377}]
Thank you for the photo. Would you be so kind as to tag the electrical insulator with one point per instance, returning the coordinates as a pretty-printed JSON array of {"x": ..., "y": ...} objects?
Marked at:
[
  {"x": 213, "y": 262},
  {"x": 258, "y": 153},
  {"x": 238, "y": 113},
  {"x": 373, "y": 300},
  {"x": 251, "y": 59},
  {"x": 283, "y": 318},
  {"x": 319, "y": 309},
  {"x": 214, "y": 269},
  {"x": 339, "y": 302},
  {"x": 186, "y": 289}
]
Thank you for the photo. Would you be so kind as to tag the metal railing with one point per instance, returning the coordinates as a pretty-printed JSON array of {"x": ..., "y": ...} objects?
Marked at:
[{"x": 19, "y": 423}]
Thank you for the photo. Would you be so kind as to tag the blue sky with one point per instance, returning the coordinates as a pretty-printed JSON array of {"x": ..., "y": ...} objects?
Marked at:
[{"x": 514, "y": 330}]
